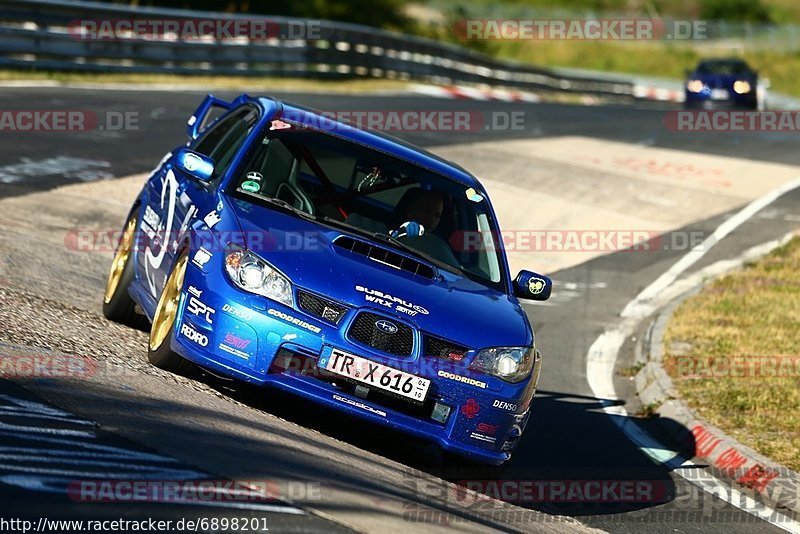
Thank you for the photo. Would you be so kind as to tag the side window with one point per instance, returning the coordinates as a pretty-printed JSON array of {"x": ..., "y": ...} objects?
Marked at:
[{"x": 224, "y": 139}]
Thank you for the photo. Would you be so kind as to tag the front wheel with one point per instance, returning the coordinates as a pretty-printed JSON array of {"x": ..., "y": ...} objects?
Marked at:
[
  {"x": 159, "y": 352},
  {"x": 118, "y": 306}
]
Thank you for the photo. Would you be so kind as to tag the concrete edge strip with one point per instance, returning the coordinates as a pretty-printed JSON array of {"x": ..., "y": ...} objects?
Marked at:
[
  {"x": 730, "y": 459},
  {"x": 602, "y": 357}
]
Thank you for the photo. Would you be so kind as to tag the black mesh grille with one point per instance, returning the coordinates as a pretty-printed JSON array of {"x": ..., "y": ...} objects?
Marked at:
[
  {"x": 399, "y": 343},
  {"x": 440, "y": 348},
  {"x": 384, "y": 256},
  {"x": 323, "y": 308}
]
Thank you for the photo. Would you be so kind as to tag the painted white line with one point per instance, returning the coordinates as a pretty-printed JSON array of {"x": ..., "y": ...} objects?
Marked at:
[
  {"x": 639, "y": 307},
  {"x": 602, "y": 357}
]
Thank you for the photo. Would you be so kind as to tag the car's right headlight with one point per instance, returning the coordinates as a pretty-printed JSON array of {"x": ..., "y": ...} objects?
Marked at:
[
  {"x": 695, "y": 86},
  {"x": 251, "y": 273},
  {"x": 512, "y": 364}
]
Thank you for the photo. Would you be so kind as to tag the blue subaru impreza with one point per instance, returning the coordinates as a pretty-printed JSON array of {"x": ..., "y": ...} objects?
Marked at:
[{"x": 285, "y": 249}]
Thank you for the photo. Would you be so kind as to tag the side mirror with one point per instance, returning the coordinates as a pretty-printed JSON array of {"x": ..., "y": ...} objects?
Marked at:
[
  {"x": 533, "y": 286},
  {"x": 195, "y": 165}
]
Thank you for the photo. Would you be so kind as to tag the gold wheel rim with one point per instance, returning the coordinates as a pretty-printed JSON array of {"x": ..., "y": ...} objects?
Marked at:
[
  {"x": 167, "y": 307},
  {"x": 120, "y": 259}
]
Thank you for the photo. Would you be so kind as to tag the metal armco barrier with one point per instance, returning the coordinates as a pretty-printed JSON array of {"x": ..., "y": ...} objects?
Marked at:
[{"x": 43, "y": 34}]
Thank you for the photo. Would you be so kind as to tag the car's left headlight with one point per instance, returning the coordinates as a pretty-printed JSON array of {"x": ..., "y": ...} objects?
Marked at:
[
  {"x": 742, "y": 87},
  {"x": 253, "y": 274},
  {"x": 512, "y": 364},
  {"x": 695, "y": 86}
]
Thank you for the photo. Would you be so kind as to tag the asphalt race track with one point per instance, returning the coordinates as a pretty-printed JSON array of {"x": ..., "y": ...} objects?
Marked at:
[{"x": 334, "y": 474}]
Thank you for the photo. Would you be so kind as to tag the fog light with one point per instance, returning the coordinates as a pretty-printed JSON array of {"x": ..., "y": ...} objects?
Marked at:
[{"x": 440, "y": 412}]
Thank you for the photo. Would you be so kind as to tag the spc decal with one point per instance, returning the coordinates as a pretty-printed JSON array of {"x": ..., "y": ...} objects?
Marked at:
[
  {"x": 197, "y": 307},
  {"x": 391, "y": 302}
]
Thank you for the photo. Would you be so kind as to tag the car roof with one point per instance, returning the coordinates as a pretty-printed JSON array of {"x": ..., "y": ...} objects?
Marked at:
[{"x": 387, "y": 144}]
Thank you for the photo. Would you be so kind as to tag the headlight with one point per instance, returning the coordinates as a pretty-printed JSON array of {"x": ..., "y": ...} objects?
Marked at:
[
  {"x": 741, "y": 87},
  {"x": 251, "y": 273},
  {"x": 695, "y": 86},
  {"x": 512, "y": 364}
]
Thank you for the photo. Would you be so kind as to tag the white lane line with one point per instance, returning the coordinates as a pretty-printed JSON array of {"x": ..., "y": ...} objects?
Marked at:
[
  {"x": 639, "y": 307},
  {"x": 602, "y": 357}
]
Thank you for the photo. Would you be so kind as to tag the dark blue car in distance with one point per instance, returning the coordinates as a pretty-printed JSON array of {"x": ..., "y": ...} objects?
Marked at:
[
  {"x": 722, "y": 83},
  {"x": 285, "y": 249}
]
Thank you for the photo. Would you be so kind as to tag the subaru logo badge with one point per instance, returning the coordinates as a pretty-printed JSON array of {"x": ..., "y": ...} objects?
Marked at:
[{"x": 386, "y": 326}]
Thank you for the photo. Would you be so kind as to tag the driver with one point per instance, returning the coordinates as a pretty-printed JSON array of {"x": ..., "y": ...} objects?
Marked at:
[{"x": 425, "y": 209}]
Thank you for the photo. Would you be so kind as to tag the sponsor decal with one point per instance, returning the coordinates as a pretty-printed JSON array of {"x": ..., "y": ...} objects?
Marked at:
[
  {"x": 250, "y": 186},
  {"x": 201, "y": 257},
  {"x": 473, "y": 195},
  {"x": 197, "y": 307},
  {"x": 462, "y": 379},
  {"x": 486, "y": 428},
  {"x": 535, "y": 285},
  {"x": 279, "y": 125},
  {"x": 193, "y": 335},
  {"x": 254, "y": 176},
  {"x": 503, "y": 405},
  {"x": 294, "y": 320},
  {"x": 233, "y": 350},
  {"x": 192, "y": 162},
  {"x": 482, "y": 437},
  {"x": 151, "y": 218},
  {"x": 470, "y": 408},
  {"x": 361, "y": 405},
  {"x": 236, "y": 341},
  {"x": 237, "y": 311},
  {"x": 391, "y": 302},
  {"x": 212, "y": 219},
  {"x": 385, "y": 326},
  {"x": 169, "y": 196}
]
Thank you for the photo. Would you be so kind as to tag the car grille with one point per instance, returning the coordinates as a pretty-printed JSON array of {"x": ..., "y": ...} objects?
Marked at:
[
  {"x": 384, "y": 256},
  {"x": 323, "y": 308},
  {"x": 439, "y": 348},
  {"x": 364, "y": 330}
]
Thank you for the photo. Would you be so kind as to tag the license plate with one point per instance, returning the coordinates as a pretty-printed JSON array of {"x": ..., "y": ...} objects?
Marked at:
[
  {"x": 719, "y": 94},
  {"x": 377, "y": 375}
]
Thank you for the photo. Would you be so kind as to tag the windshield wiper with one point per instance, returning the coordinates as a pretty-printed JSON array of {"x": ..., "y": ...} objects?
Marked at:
[{"x": 281, "y": 204}]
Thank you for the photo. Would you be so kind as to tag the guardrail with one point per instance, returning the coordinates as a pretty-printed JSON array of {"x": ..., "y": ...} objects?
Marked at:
[{"x": 44, "y": 34}]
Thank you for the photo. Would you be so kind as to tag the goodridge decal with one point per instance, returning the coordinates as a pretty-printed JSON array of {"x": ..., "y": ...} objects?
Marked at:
[
  {"x": 294, "y": 320},
  {"x": 462, "y": 379}
]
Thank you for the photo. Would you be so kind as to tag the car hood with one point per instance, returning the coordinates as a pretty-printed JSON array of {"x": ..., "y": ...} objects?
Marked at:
[{"x": 458, "y": 309}]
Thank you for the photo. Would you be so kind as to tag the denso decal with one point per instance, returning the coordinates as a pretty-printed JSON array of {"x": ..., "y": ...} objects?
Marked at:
[
  {"x": 193, "y": 335},
  {"x": 242, "y": 313},
  {"x": 463, "y": 379},
  {"x": 391, "y": 302},
  {"x": 294, "y": 320},
  {"x": 503, "y": 405}
]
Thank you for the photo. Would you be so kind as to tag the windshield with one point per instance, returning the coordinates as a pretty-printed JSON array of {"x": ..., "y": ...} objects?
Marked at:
[
  {"x": 353, "y": 187},
  {"x": 723, "y": 68}
]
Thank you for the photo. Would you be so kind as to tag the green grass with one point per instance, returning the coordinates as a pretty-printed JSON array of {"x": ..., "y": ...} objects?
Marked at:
[
  {"x": 747, "y": 314},
  {"x": 211, "y": 82}
]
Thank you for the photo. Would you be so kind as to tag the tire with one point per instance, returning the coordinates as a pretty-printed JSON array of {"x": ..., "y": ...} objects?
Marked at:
[
  {"x": 118, "y": 306},
  {"x": 159, "y": 352}
]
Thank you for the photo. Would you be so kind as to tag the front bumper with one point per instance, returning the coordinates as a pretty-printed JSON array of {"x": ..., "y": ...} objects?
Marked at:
[{"x": 259, "y": 341}]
